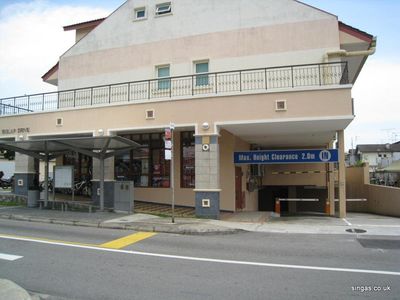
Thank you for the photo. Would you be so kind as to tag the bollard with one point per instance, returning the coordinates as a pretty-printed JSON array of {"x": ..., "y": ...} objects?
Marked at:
[
  {"x": 278, "y": 207},
  {"x": 327, "y": 207}
]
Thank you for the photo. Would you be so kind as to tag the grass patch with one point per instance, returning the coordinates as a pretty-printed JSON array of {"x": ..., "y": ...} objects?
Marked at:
[{"x": 10, "y": 203}]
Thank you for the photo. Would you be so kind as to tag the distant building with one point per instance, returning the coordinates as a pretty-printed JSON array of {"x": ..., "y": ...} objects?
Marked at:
[
  {"x": 379, "y": 157},
  {"x": 352, "y": 158}
]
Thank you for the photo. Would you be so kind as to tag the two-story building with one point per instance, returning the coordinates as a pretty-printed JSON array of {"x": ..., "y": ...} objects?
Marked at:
[{"x": 230, "y": 75}]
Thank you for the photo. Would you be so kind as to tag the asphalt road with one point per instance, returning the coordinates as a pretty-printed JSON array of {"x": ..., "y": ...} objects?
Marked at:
[{"x": 68, "y": 263}]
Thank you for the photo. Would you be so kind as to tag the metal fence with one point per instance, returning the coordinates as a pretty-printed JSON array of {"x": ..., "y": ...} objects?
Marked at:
[{"x": 183, "y": 86}]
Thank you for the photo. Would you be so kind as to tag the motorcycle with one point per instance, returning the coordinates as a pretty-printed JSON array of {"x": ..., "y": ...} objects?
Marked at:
[{"x": 6, "y": 183}]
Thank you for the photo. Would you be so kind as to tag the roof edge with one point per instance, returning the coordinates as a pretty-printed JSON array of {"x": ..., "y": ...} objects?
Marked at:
[
  {"x": 83, "y": 24},
  {"x": 362, "y": 35},
  {"x": 50, "y": 72}
]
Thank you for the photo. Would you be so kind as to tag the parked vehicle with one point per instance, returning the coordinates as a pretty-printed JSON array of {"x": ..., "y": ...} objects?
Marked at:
[
  {"x": 83, "y": 188},
  {"x": 6, "y": 183},
  {"x": 49, "y": 185}
]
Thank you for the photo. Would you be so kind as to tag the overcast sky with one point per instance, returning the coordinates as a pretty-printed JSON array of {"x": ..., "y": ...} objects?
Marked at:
[{"x": 32, "y": 39}]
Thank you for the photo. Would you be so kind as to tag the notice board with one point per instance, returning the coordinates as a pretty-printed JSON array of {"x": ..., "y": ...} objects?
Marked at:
[{"x": 64, "y": 177}]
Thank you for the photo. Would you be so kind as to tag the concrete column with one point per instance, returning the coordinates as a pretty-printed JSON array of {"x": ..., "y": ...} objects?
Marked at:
[
  {"x": 108, "y": 169},
  {"x": 25, "y": 174},
  {"x": 331, "y": 186},
  {"x": 342, "y": 176},
  {"x": 207, "y": 188},
  {"x": 109, "y": 181}
]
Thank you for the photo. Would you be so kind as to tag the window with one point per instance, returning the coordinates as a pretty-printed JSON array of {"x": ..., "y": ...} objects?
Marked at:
[
  {"x": 82, "y": 165},
  {"x": 140, "y": 13},
  {"x": 201, "y": 67},
  {"x": 163, "y": 71},
  {"x": 146, "y": 167},
  {"x": 163, "y": 9},
  {"x": 187, "y": 159}
]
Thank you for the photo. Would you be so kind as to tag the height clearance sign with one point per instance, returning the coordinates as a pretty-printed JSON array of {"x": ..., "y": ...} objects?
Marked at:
[{"x": 287, "y": 156}]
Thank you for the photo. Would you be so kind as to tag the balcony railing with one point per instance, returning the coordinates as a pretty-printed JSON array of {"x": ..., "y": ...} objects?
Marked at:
[{"x": 275, "y": 78}]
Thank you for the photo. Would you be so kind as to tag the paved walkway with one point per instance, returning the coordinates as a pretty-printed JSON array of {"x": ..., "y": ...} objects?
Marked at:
[{"x": 230, "y": 223}]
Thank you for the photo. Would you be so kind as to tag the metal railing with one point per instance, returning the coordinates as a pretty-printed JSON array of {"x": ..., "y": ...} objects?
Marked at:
[
  {"x": 6, "y": 109},
  {"x": 285, "y": 77}
]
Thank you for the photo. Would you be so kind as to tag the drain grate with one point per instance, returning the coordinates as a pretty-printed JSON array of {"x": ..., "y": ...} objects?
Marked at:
[{"x": 356, "y": 230}]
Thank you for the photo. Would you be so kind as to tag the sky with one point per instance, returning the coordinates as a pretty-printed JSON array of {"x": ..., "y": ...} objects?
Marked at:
[{"x": 32, "y": 39}]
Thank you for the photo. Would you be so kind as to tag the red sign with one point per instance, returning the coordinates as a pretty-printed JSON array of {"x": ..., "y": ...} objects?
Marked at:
[{"x": 167, "y": 133}]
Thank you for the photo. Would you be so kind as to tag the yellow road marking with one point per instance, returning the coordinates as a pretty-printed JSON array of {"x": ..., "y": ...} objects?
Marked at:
[{"x": 128, "y": 240}]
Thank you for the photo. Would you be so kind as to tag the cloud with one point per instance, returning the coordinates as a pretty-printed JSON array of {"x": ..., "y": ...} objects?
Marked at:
[
  {"x": 377, "y": 104},
  {"x": 32, "y": 40}
]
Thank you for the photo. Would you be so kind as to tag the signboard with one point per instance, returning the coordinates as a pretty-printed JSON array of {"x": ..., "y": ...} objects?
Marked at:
[
  {"x": 168, "y": 154},
  {"x": 287, "y": 156},
  {"x": 168, "y": 142},
  {"x": 64, "y": 177}
]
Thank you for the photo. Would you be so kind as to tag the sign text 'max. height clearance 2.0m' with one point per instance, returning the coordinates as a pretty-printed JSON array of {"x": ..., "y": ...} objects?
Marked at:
[{"x": 287, "y": 156}]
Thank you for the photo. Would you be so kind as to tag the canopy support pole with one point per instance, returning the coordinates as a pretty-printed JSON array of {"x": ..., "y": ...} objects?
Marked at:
[
  {"x": 46, "y": 176},
  {"x": 101, "y": 182}
]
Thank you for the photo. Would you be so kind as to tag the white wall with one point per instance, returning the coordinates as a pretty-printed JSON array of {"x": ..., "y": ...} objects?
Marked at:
[
  {"x": 191, "y": 17},
  {"x": 232, "y": 34}
]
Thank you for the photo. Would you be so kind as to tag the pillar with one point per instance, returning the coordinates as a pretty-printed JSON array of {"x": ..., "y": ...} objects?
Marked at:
[
  {"x": 26, "y": 174},
  {"x": 331, "y": 186},
  {"x": 109, "y": 181},
  {"x": 207, "y": 186},
  {"x": 342, "y": 176}
]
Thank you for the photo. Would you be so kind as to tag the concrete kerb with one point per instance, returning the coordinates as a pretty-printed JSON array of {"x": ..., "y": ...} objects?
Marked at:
[
  {"x": 10, "y": 290},
  {"x": 196, "y": 228}
]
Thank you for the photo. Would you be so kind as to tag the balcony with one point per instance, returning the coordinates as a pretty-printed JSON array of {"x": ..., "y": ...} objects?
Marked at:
[{"x": 207, "y": 84}]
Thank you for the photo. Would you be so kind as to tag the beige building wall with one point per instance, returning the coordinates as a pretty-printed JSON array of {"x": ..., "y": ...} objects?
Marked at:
[
  {"x": 316, "y": 179},
  {"x": 383, "y": 200},
  {"x": 326, "y": 104},
  {"x": 356, "y": 180},
  {"x": 229, "y": 143}
]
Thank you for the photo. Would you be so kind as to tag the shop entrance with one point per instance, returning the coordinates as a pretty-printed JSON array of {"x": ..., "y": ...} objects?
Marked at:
[{"x": 267, "y": 196}]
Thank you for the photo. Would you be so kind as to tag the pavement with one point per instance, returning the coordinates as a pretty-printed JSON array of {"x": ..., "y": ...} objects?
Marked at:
[{"x": 365, "y": 224}]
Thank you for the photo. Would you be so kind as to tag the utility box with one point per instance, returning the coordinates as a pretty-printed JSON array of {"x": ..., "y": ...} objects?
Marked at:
[
  {"x": 33, "y": 197},
  {"x": 123, "y": 196}
]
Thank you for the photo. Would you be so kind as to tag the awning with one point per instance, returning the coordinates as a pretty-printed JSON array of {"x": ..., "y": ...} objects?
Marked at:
[{"x": 101, "y": 147}]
